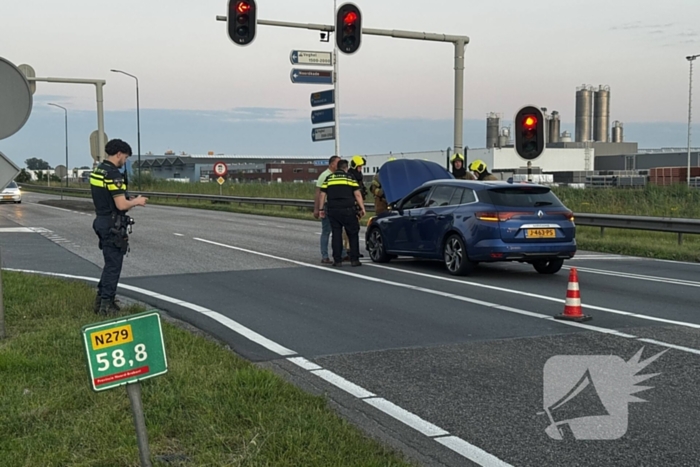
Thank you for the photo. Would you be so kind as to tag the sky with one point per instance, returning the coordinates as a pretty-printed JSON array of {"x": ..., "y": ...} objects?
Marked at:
[{"x": 199, "y": 92}]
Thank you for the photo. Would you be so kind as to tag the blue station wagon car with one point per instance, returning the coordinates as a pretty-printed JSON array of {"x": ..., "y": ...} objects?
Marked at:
[{"x": 464, "y": 223}]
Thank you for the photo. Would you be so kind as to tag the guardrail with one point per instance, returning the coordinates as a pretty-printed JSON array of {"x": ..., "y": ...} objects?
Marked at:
[{"x": 603, "y": 221}]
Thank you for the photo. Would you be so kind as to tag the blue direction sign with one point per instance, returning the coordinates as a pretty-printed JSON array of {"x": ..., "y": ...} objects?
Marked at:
[
  {"x": 323, "y": 115},
  {"x": 323, "y": 134},
  {"x": 323, "y": 98},
  {"x": 311, "y": 76}
]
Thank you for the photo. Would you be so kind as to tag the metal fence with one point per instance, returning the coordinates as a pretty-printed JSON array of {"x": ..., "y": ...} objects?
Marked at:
[{"x": 603, "y": 221}]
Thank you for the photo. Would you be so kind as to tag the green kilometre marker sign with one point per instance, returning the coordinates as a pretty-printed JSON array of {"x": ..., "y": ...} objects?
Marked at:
[{"x": 125, "y": 350}]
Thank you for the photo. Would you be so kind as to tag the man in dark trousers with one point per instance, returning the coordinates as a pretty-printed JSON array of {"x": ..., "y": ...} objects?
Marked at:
[
  {"x": 342, "y": 192},
  {"x": 109, "y": 188}
]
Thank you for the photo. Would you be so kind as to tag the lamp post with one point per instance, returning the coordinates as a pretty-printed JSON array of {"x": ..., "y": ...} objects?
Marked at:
[
  {"x": 690, "y": 59},
  {"x": 138, "y": 122},
  {"x": 66, "y": 125}
]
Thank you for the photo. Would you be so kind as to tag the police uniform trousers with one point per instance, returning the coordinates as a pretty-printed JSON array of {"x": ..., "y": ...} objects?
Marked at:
[
  {"x": 113, "y": 257},
  {"x": 344, "y": 218}
]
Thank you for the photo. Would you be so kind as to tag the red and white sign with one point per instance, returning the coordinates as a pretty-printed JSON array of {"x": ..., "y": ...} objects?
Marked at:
[{"x": 220, "y": 169}]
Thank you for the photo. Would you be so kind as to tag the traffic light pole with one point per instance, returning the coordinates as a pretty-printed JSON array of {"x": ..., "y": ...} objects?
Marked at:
[
  {"x": 460, "y": 42},
  {"x": 336, "y": 92}
]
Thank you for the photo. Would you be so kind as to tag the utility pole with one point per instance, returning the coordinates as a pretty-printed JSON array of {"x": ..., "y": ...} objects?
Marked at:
[{"x": 690, "y": 59}]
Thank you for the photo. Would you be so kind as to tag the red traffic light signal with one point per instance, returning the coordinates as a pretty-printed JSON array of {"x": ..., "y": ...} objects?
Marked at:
[
  {"x": 242, "y": 21},
  {"x": 349, "y": 18},
  {"x": 348, "y": 28},
  {"x": 530, "y": 121},
  {"x": 529, "y": 132}
]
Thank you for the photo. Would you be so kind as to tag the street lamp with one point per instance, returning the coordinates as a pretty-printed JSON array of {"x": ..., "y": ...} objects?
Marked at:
[
  {"x": 66, "y": 120},
  {"x": 138, "y": 122},
  {"x": 690, "y": 59}
]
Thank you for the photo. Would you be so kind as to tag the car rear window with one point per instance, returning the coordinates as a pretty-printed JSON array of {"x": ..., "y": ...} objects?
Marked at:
[{"x": 521, "y": 197}]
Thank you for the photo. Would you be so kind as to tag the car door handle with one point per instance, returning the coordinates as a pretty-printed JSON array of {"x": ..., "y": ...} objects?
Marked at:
[{"x": 441, "y": 216}]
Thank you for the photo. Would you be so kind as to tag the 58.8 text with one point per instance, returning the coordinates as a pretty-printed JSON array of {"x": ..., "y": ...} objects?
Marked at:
[{"x": 118, "y": 359}]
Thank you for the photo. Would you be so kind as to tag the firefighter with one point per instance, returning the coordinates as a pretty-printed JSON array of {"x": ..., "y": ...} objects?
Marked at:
[
  {"x": 380, "y": 204},
  {"x": 459, "y": 171},
  {"x": 355, "y": 171},
  {"x": 480, "y": 170}
]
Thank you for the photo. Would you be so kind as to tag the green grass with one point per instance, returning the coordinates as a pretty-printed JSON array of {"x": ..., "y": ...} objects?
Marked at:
[{"x": 212, "y": 408}]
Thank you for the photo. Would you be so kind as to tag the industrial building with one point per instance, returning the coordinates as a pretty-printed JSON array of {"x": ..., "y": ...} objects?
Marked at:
[
  {"x": 597, "y": 146},
  {"x": 241, "y": 168}
]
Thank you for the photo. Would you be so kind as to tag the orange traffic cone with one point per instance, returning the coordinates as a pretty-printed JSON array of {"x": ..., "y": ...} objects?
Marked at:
[{"x": 572, "y": 307}]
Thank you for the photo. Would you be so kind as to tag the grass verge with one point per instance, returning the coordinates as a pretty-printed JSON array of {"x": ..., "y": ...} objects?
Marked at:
[{"x": 212, "y": 408}]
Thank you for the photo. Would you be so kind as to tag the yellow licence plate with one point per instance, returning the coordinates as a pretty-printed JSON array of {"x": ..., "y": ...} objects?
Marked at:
[
  {"x": 541, "y": 233},
  {"x": 7, "y": 197}
]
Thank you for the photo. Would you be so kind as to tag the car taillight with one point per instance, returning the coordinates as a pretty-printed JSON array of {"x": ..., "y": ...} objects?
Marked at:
[
  {"x": 487, "y": 216},
  {"x": 499, "y": 216},
  {"x": 569, "y": 215}
]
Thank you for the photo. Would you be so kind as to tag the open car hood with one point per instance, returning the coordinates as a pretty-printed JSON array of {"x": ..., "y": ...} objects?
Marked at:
[{"x": 400, "y": 177}]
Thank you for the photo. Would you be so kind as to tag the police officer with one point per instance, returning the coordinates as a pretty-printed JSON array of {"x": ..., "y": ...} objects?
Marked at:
[
  {"x": 459, "y": 171},
  {"x": 342, "y": 192},
  {"x": 480, "y": 170},
  {"x": 109, "y": 188}
]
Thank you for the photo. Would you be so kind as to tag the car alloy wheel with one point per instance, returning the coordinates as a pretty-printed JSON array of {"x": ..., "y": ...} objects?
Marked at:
[
  {"x": 375, "y": 246},
  {"x": 455, "y": 256}
]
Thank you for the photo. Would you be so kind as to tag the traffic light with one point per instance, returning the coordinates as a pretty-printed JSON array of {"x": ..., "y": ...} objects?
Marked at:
[
  {"x": 242, "y": 21},
  {"x": 348, "y": 28},
  {"x": 529, "y": 132}
]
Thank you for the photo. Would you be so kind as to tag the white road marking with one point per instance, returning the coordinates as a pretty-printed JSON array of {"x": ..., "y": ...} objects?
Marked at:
[
  {"x": 15, "y": 230},
  {"x": 540, "y": 297},
  {"x": 342, "y": 383},
  {"x": 470, "y": 451},
  {"x": 304, "y": 363},
  {"x": 671, "y": 346},
  {"x": 606, "y": 258},
  {"x": 178, "y": 234},
  {"x": 456, "y": 444},
  {"x": 412, "y": 420},
  {"x": 642, "y": 277},
  {"x": 54, "y": 207}
]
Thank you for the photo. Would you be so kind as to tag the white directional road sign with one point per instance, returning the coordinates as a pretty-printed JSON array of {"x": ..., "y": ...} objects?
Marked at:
[
  {"x": 8, "y": 171},
  {"x": 323, "y": 134},
  {"x": 306, "y": 57}
]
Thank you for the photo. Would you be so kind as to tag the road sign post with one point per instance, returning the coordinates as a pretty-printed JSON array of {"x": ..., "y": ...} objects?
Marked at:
[
  {"x": 125, "y": 351},
  {"x": 322, "y": 98},
  {"x": 306, "y": 57},
  {"x": 311, "y": 76},
  {"x": 325, "y": 133},
  {"x": 221, "y": 170},
  {"x": 323, "y": 116}
]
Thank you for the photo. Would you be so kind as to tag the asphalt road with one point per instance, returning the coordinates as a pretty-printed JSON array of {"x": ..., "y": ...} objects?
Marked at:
[{"x": 449, "y": 370}]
